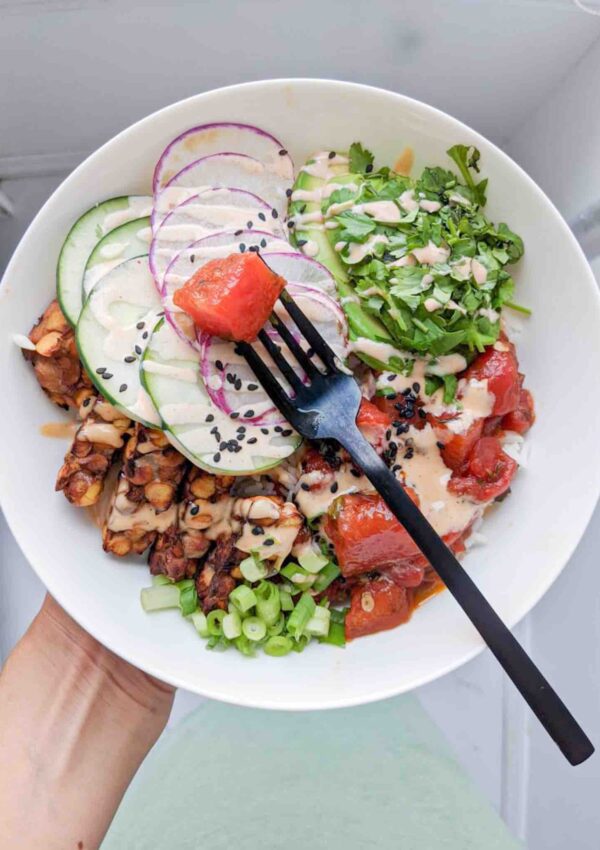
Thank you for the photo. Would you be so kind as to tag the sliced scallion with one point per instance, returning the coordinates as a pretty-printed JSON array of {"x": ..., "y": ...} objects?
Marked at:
[
  {"x": 232, "y": 625},
  {"x": 277, "y": 627},
  {"x": 159, "y": 597},
  {"x": 318, "y": 625},
  {"x": 254, "y": 628},
  {"x": 311, "y": 561},
  {"x": 279, "y": 645},
  {"x": 198, "y": 619},
  {"x": 160, "y": 579},
  {"x": 214, "y": 621},
  {"x": 188, "y": 598},
  {"x": 243, "y": 598},
  {"x": 303, "y": 611},
  {"x": 252, "y": 568},
  {"x": 298, "y": 575},
  {"x": 268, "y": 604},
  {"x": 328, "y": 574},
  {"x": 285, "y": 599}
]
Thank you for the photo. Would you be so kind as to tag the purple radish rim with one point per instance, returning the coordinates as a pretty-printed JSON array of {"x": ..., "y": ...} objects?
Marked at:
[
  {"x": 284, "y": 200},
  {"x": 155, "y": 232},
  {"x": 202, "y": 127}
]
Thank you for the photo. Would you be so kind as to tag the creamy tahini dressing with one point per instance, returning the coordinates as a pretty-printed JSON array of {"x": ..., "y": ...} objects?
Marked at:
[
  {"x": 357, "y": 251},
  {"x": 321, "y": 164},
  {"x": 320, "y": 497},
  {"x": 138, "y": 207},
  {"x": 428, "y": 475},
  {"x": 125, "y": 515},
  {"x": 473, "y": 401}
]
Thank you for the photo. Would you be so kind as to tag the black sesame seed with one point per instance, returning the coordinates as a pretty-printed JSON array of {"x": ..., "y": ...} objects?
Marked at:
[
  {"x": 137, "y": 349},
  {"x": 263, "y": 243},
  {"x": 288, "y": 193},
  {"x": 230, "y": 378},
  {"x": 263, "y": 431},
  {"x": 310, "y": 352},
  {"x": 252, "y": 440},
  {"x": 388, "y": 434},
  {"x": 257, "y": 530},
  {"x": 254, "y": 248},
  {"x": 274, "y": 213},
  {"x": 145, "y": 335},
  {"x": 355, "y": 472},
  {"x": 210, "y": 418},
  {"x": 252, "y": 387},
  {"x": 219, "y": 365},
  {"x": 192, "y": 258},
  {"x": 140, "y": 325},
  {"x": 223, "y": 445},
  {"x": 238, "y": 232},
  {"x": 242, "y": 247},
  {"x": 305, "y": 487},
  {"x": 162, "y": 313},
  {"x": 408, "y": 454},
  {"x": 86, "y": 401},
  {"x": 278, "y": 429},
  {"x": 101, "y": 370},
  {"x": 107, "y": 376},
  {"x": 237, "y": 385},
  {"x": 407, "y": 392},
  {"x": 396, "y": 467},
  {"x": 416, "y": 387},
  {"x": 393, "y": 446},
  {"x": 262, "y": 216},
  {"x": 214, "y": 430},
  {"x": 287, "y": 432},
  {"x": 240, "y": 429},
  {"x": 301, "y": 242},
  {"x": 234, "y": 415},
  {"x": 302, "y": 209},
  {"x": 331, "y": 155},
  {"x": 422, "y": 413},
  {"x": 130, "y": 359},
  {"x": 217, "y": 457},
  {"x": 290, "y": 223},
  {"x": 122, "y": 388},
  {"x": 249, "y": 225},
  {"x": 391, "y": 377},
  {"x": 440, "y": 445},
  {"x": 369, "y": 168},
  {"x": 334, "y": 487},
  {"x": 249, "y": 414},
  {"x": 283, "y": 152},
  {"x": 195, "y": 510},
  {"x": 269, "y": 542}
]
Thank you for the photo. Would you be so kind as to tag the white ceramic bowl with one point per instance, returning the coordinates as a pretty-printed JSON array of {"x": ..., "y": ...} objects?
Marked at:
[{"x": 530, "y": 538}]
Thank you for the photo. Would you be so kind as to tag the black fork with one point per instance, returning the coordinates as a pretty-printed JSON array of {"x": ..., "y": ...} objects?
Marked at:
[{"x": 325, "y": 407}]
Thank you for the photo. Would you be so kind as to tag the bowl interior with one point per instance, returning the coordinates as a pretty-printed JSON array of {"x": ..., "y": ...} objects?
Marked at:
[{"x": 530, "y": 537}]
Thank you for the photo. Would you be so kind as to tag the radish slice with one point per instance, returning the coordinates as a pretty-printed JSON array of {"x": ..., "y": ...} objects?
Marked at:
[
  {"x": 220, "y": 171},
  {"x": 211, "y": 439},
  {"x": 229, "y": 381},
  {"x": 188, "y": 261},
  {"x": 295, "y": 267},
  {"x": 212, "y": 211},
  {"x": 209, "y": 139}
]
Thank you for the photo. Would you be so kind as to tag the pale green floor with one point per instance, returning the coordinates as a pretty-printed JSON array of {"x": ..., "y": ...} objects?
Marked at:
[{"x": 378, "y": 776}]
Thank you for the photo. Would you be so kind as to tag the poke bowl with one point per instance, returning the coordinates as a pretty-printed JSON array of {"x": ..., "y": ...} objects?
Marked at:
[{"x": 445, "y": 280}]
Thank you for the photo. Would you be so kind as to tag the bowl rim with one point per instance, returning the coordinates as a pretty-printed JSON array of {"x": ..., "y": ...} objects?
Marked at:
[{"x": 212, "y": 691}]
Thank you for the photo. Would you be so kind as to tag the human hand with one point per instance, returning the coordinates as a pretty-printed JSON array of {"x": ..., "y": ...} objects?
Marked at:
[{"x": 76, "y": 721}]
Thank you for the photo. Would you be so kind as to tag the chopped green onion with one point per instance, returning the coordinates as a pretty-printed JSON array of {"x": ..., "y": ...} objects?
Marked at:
[
  {"x": 198, "y": 618},
  {"x": 243, "y": 598},
  {"x": 313, "y": 562},
  {"x": 285, "y": 599},
  {"x": 318, "y": 625},
  {"x": 244, "y": 646},
  {"x": 232, "y": 625},
  {"x": 277, "y": 627},
  {"x": 252, "y": 568},
  {"x": 268, "y": 605},
  {"x": 159, "y": 597},
  {"x": 298, "y": 576},
  {"x": 338, "y": 615},
  {"x": 301, "y": 643},
  {"x": 254, "y": 628},
  {"x": 188, "y": 598},
  {"x": 336, "y": 635},
  {"x": 328, "y": 574},
  {"x": 160, "y": 579},
  {"x": 214, "y": 622},
  {"x": 278, "y": 646},
  {"x": 303, "y": 611}
]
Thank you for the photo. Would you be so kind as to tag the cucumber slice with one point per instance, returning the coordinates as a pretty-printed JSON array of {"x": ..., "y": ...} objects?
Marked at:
[
  {"x": 124, "y": 242},
  {"x": 171, "y": 374},
  {"x": 81, "y": 241},
  {"x": 307, "y": 198},
  {"x": 113, "y": 331}
]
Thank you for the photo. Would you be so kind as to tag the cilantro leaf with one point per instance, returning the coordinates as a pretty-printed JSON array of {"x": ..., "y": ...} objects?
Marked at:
[
  {"x": 450, "y": 385},
  {"x": 356, "y": 226},
  {"x": 361, "y": 159},
  {"x": 467, "y": 157}
]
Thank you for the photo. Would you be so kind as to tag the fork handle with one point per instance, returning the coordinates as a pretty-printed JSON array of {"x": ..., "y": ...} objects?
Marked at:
[{"x": 540, "y": 696}]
